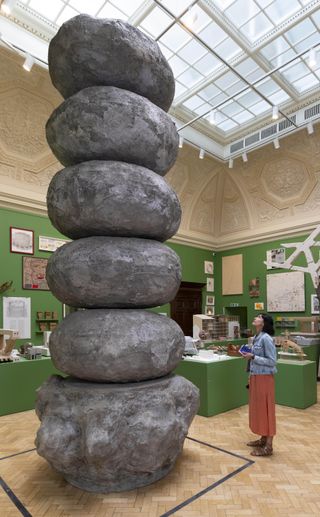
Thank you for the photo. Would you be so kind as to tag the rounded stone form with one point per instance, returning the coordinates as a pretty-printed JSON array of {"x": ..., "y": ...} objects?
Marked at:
[
  {"x": 111, "y": 437},
  {"x": 112, "y": 198},
  {"x": 107, "y": 123},
  {"x": 88, "y": 51},
  {"x": 116, "y": 345},
  {"x": 114, "y": 272}
]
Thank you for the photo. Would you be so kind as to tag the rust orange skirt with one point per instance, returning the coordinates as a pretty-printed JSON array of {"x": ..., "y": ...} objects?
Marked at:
[{"x": 262, "y": 412}]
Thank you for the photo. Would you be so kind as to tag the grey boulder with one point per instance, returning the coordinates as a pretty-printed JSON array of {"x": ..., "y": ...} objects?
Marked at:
[
  {"x": 89, "y": 52},
  {"x": 111, "y": 437},
  {"x": 114, "y": 272},
  {"x": 116, "y": 345},
  {"x": 112, "y": 198},
  {"x": 107, "y": 123}
]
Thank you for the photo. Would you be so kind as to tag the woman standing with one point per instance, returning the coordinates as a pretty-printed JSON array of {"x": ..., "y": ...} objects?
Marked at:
[{"x": 263, "y": 358}]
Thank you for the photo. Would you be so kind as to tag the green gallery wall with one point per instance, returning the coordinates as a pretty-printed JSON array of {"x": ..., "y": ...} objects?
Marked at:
[
  {"x": 253, "y": 266},
  {"x": 192, "y": 260}
]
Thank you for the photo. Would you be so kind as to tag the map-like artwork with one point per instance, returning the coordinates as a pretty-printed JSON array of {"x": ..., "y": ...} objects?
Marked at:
[
  {"x": 34, "y": 273},
  {"x": 285, "y": 292}
]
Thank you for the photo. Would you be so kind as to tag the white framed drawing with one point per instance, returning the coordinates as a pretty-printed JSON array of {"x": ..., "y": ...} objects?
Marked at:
[
  {"x": 210, "y": 300},
  {"x": 50, "y": 243},
  {"x": 210, "y": 285},
  {"x": 274, "y": 257},
  {"x": 285, "y": 292},
  {"x": 209, "y": 310},
  {"x": 21, "y": 240},
  {"x": 208, "y": 267},
  {"x": 314, "y": 304}
]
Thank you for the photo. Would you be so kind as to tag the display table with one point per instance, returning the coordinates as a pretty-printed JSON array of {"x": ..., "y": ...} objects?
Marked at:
[
  {"x": 222, "y": 383},
  {"x": 296, "y": 384},
  {"x": 19, "y": 381}
]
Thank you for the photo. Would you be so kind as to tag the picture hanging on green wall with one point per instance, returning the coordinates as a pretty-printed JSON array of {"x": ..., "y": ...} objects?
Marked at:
[
  {"x": 21, "y": 241},
  {"x": 34, "y": 273}
]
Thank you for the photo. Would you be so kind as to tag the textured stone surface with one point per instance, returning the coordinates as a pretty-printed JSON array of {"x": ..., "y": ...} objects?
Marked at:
[
  {"x": 107, "y": 123},
  {"x": 116, "y": 345},
  {"x": 112, "y": 198},
  {"x": 104, "y": 437},
  {"x": 91, "y": 52},
  {"x": 114, "y": 272}
]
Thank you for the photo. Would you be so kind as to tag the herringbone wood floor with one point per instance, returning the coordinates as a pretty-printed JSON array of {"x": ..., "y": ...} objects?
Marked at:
[{"x": 287, "y": 483}]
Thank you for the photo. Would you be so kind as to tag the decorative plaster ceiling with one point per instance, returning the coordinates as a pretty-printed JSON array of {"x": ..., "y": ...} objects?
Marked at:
[{"x": 233, "y": 60}]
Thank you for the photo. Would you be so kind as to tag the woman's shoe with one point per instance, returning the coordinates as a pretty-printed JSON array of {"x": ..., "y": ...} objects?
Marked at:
[
  {"x": 257, "y": 443},
  {"x": 262, "y": 451}
]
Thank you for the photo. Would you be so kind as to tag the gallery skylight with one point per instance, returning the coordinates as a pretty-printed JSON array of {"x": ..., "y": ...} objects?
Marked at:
[{"x": 234, "y": 58}]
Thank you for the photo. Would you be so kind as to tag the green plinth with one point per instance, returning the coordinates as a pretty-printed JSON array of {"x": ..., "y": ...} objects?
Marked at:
[
  {"x": 19, "y": 382},
  {"x": 296, "y": 384},
  {"x": 222, "y": 384}
]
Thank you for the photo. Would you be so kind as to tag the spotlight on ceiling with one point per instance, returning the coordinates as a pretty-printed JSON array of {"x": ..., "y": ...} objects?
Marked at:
[
  {"x": 190, "y": 18},
  {"x": 312, "y": 59},
  {"x": 212, "y": 117},
  {"x": 230, "y": 163},
  {"x": 276, "y": 143},
  {"x": 310, "y": 128},
  {"x": 181, "y": 141},
  {"x": 28, "y": 63},
  {"x": 275, "y": 112},
  {"x": 201, "y": 154},
  {"x": 7, "y": 6},
  {"x": 244, "y": 157}
]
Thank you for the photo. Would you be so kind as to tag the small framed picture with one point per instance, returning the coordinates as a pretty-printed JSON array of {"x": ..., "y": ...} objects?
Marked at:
[
  {"x": 314, "y": 304},
  {"x": 208, "y": 267},
  {"x": 210, "y": 300},
  {"x": 259, "y": 306},
  {"x": 209, "y": 310},
  {"x": 210, "y": 285},
  {"x": 50, "y": 243},
  {"x": 34, "y": 273},
  {"x": 21, "y": 241}
]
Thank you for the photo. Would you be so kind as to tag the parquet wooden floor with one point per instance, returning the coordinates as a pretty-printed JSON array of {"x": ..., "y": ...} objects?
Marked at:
[{"x": 288, "y": 483}]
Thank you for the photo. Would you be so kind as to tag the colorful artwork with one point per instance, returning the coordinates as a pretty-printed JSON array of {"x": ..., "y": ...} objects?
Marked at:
[
  {"x": 254, "y": 288},
  {"x": 34, "y": 273}
]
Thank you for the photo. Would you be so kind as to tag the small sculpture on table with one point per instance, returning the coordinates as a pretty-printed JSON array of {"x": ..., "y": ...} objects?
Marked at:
[{"x": 7, "y": 341}]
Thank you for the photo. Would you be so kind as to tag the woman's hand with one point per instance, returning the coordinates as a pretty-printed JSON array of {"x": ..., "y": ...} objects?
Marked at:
[{"x": 248, "y": 355}]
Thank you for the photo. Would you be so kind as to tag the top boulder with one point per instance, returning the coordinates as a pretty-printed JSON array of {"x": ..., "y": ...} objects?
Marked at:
[{"x": 89, "y": 51}]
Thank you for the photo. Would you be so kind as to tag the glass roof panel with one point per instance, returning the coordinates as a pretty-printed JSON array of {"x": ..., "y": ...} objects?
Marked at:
[
  {"x": 207, "y": 64},
  {"x": 218, "y": 99},
  {"x": 212, "y": 35},
  {"x": 202, "y": 109},
  {"x": 248, "y": 98},
  {"x": 232, "y": 108},
  {"x": 244, "y": 116},
  {"x": 209, "y": 92},
  {"x": 283, "y": 58},
  {"x": 260, "y": 107},
  {"x": 175, "y": 38},
  {"x": 246, "y": 66},
  {"x": 316, "y": 18},
  {"x": 241, "y": 10},
  {"x": 227, "y": 125},
  {"x": 222, "y": 4},
  {"x": 309, "y": 42},
  {"x": 178, "y": 65},
  {"x": 109, "y": 11},
  {"x": 190, "y": 77},
  {"x": 66, "y": 14},
  {"x": 264, "y": 3},
  {"x": 196, "y": 19},
  {"x": 256, "y": 27},
  {"x": 180, "y": 89},
  {"x": 228, "y": 49},
  {"x": 50, "y": 10},
  {"x": 295, "y": 71},
  {"x": 226, "y": 80},
  {"x": 83, "y": 6},
  {"x": 156, "y": 22},
  {"x": 275, "y": 48},
  {"x": 175, "y": 6},
  {"x": 267, "y": 87},
  {"x": 165, "y": 51},
  {"x": 306, "y": 83},
  {"x": 280, "y": 10},
  {"x": 278, "y": 97},
  {"x": 192, "y": 51},
  {"x": 127, "y": 7},
  {"x": 300, "y": 31},
  {"x": 193, "y": 103},
  {"x": 235, "y": 88}
]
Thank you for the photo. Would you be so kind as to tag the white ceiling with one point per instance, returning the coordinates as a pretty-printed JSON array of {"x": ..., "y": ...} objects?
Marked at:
[{"x": 233, "y": 60}]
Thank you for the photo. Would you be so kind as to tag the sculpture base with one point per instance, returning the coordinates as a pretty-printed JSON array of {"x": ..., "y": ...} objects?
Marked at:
[{"x": 114, "y": 437}]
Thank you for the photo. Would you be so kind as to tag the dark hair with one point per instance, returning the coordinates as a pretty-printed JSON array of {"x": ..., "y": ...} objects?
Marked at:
[{"x": 267, "y": 324}]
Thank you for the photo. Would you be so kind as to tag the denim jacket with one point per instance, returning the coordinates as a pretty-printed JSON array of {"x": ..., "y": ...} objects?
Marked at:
[{"x": 265, "y": 355}]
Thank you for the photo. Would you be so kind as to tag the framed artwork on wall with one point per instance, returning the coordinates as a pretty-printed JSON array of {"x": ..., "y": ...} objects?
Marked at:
[
  {"x": 34, "y": 273},
  {"x": 210, "y": 285},
  {"x": 21, "y": 241},
  {"x": 314, "y": 304},
  {"x": 210, "y": 300},
  {"x": 259, "y": 306},
  {"x": 209, "y": 310},
  {"x": 208, "y": 267},
  {"x": 50, "y": 243}
]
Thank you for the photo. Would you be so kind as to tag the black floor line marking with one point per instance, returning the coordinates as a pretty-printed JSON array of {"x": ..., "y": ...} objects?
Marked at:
[
  {"x": 205, "y": 490},
  {"x": 219, "y": 449},
  {"x": 17, "y": 454},
  {"x": 18, "y": 504}
]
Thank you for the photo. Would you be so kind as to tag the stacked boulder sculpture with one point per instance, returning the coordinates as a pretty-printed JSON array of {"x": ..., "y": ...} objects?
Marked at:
[{"x": 119, "y": 419}]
